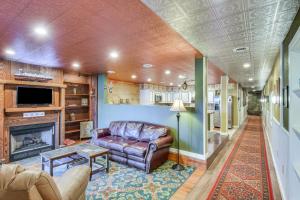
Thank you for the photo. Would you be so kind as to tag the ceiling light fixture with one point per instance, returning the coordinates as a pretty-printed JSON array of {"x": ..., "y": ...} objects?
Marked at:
[
  {"x": 182, "y": 76},
  {"x": 40, "y": 30},
  {"x": 111, "y": 72},
  {"x": 252, "y": 87},
  {"x": 9, "y": 52},
  {"x": 147, "y": 65},
  {"x": 250, "y": 79},
  {"x": 171, "y": 84},
  {"x": 133, "y": 76},
  {"x": 149, "y": 79},
  {"x": 76, "y": 65},
  {"x": 179, "y": 85},
  {"x": 240, "y": 49},
  {"x": 167, "y": 72},
  {"x": 114, "y": 54},
  {"x": 246, "y": 65}
]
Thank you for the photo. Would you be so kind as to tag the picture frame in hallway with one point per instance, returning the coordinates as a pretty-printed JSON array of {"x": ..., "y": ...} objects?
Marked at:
[{"x": 285, "y": 97}]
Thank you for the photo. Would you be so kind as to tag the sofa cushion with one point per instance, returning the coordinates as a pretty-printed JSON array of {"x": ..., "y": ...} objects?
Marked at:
[
  {"x": 137, "y": 149},
  {"x": 120, "y": 143},
  {"x": 117, "y": 128},
  {"x": 152, "y": 132},
  {"x": 103, "y": 141},
  {"x": 133, "y": 130}
]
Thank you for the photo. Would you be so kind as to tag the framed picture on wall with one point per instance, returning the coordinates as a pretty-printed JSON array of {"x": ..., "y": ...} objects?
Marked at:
[
  {"x": 278, "y": 90},
  {"x": 285, "y": 96}
]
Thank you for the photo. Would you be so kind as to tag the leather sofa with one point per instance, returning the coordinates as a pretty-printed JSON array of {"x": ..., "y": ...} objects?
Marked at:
[
  {"x": 138, "y": 144},
  {"x": 19, "y": 183}
]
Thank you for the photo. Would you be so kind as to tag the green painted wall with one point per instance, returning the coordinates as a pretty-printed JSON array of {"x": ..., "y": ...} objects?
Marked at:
[{"x": 191, "y": 123}]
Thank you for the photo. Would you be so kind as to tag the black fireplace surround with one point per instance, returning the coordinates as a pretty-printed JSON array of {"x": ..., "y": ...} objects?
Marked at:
[{"x": 30, "y": 140}]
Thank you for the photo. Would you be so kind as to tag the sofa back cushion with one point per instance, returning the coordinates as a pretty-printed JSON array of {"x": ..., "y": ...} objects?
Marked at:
[
  {"x": 152, "y": 132},
  {"x": 133, "y": 130},
  {"x": 117, "y": 128}
]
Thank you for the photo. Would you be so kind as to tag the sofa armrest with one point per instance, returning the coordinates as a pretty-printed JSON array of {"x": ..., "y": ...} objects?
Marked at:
[
  {"x": 100, "y": 132},
  {"x": 161, "y": 142},
  {"x": 73, "y": 183}
]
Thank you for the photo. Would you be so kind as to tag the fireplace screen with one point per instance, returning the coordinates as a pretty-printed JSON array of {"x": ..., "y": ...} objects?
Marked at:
[{"x": 30, "y": 140}]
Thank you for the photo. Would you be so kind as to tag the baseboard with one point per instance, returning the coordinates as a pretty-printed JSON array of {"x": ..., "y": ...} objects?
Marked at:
[
  {"x": 274, "y": 163},
  {"x": 187, "y": 157},
  {"x": 224, "y": 133}
]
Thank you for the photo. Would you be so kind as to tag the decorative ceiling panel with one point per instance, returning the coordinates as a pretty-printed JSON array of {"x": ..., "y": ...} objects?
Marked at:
[
  {"x": 215, "y": 27},
  {"x": 87, "y": 31}
]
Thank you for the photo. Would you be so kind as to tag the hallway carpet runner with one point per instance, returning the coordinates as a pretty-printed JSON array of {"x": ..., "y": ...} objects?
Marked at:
[{"x": 245, "y": 174}]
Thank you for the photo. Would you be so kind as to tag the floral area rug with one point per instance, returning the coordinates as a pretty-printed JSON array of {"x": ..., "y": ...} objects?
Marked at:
[
  {"x": 124, "y": 182},
  {"x": 245, "y": 175}
]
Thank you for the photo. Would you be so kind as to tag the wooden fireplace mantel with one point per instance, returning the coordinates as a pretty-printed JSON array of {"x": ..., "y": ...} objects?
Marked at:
[{"x": 34, "y": 109}]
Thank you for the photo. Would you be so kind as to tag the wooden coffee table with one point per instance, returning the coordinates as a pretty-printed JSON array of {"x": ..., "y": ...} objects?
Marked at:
[{"x": 74, "y": 155}]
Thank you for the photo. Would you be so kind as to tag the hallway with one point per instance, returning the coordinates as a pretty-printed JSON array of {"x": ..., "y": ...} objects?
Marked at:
[{"x": 242, "y": 170}]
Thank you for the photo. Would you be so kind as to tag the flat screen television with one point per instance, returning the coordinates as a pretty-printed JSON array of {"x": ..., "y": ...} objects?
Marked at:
[{"x": 34, "y": 96}]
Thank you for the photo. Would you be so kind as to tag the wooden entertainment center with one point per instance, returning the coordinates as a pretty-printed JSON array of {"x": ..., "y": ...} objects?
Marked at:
[{"x": 58, "y": 112}]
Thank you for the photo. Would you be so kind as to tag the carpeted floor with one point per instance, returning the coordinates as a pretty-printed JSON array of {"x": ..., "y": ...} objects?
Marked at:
[
  {"x": 245, "y": 174},
  {"x": 125, "y": 182}
]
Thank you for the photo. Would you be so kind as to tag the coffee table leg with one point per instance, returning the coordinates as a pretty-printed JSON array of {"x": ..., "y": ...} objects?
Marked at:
[
  {"x": 91, "y": 166},
  {"x": 107, "y": 163},
  {"x": 51, "y": 167},
  {"x": 43, "y": 165}
]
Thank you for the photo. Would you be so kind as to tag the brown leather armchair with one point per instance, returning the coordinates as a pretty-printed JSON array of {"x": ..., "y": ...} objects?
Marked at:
[
  {"x": 22, "y": 184},
  {"x": 138, "y": 144}
]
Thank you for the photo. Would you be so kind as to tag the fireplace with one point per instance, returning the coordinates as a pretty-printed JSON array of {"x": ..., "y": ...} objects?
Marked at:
[{"x": 30, "y": 140}]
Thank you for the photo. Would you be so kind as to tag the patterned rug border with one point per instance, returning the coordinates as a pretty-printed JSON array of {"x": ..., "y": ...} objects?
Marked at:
[{"x": 229, "y": 160}]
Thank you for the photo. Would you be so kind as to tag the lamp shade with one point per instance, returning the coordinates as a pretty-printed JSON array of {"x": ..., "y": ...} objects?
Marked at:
[{"x": 178, "y": 106}]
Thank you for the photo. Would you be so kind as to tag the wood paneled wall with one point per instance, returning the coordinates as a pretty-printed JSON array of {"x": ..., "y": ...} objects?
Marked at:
[{"x": 12, "y": 115}]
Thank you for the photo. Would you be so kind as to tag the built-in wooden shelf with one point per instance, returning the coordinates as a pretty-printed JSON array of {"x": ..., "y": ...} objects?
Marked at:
[
  {"x": 76, "y": 121},
  {"x": 37, "y": 109},
  {"x": 297, "y": 170},
  {"x": 72, "y": 131},
  {"x": 76, "y": 107},
  {"x": 297, "y": 92},
  {"x": 31, "y": 83},
  {"x": 75, "y": 95}
]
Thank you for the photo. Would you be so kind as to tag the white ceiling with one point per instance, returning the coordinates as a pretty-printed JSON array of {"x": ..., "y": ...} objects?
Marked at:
[{"x": 215, "y": 27}]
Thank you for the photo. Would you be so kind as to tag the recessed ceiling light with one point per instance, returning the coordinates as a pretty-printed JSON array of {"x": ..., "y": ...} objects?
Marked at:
[
  {"x": 162, "y": 82},
  {"x": 114, "y": 54},
  {"x": 147, "y": 65},
  {"x": 250, "y": 79},
  {"x": 111, "y": 72},
  {"x": 179, "y": 85},
  {"x": 149, "y": 79},
  {"x": 133, "y": 76},
  {"x": 9, "y": 52},
  {"x": 76, "y": 65},
  {"x": 252, "y": 87},
  {"x": 181, "y": 76},
  {"x": 40, "y": 30},
  {"x": 246, "y": 65},
  {"x": 171, "y": 84},
  {"x": 167, "y": 72}
]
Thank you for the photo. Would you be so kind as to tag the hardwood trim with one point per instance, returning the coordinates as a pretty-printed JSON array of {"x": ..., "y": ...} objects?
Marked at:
[
  {"x": 30, "y": 109},
  {"x": 62, "y": 117},
  {"x": 30, "y": 83},
  {"x": 186, "y": 160},
  {"x": 1, "y": 121}
]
